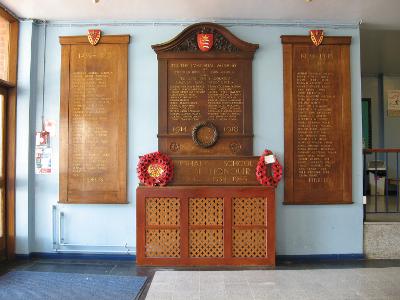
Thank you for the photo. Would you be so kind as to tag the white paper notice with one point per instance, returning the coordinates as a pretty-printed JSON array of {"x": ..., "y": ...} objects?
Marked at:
[
  {"x": 393, "y": 103},
  {"x": 42, "y": 160},
  {"x": 269, "y": 159}
]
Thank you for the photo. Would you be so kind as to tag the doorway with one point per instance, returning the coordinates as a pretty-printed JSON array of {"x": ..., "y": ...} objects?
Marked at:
[{"x": 366, "y": 123}]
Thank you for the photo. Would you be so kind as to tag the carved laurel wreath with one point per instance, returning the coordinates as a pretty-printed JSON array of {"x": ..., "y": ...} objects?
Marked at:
[{"x": 214, "y": 137}]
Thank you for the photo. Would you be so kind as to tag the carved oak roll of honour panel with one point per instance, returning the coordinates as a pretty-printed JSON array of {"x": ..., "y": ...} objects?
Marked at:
[
  {"x": 317, "y": 92},
  {"x": 214, "y": 212}
]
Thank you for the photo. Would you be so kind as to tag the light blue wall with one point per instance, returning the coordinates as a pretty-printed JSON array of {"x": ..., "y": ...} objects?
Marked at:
[
  {"x": 25, "y": 127},
  {"x": 334, "y": 229}
]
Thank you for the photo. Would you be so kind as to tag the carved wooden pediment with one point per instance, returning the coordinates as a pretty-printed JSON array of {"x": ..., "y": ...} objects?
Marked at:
[{"x": 224, "y": 41}]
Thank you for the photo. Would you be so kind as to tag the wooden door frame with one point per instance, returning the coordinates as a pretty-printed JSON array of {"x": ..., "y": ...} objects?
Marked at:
[
  {"x": 10, "y": 127},
  {"x": 3, "y": 240}
]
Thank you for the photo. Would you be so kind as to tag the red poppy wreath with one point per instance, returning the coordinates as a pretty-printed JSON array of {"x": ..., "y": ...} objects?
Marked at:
[
  {"x": 155, "y": 169},
  {"x": 263, "y": 170}
]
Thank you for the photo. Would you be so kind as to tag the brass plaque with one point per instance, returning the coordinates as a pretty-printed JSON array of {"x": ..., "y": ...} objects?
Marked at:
[
  {"x": 213, "y": 86},
  {"x": 215, "y": 171},
  {"x": 317, "y": 120},
  {"x": 93, "y": 120}
]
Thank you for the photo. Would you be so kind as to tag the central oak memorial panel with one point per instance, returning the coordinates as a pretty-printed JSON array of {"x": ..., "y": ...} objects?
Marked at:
[
  {"x": 213, "y": 213},
  {"x": 93, "y": 120},
  {"x": 213, "y": 87}
]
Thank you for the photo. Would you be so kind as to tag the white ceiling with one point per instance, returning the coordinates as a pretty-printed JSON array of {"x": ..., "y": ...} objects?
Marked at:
[{"x": 373, "y": 13}]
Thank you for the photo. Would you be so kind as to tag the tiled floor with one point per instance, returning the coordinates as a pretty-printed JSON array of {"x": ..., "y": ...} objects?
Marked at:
[
  {"x": 128, "y": 268},
  {"x": 366, "y": 283}
]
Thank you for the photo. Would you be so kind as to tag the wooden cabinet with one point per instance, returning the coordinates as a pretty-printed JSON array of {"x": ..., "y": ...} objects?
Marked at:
[{"x": 205, "y": 226}]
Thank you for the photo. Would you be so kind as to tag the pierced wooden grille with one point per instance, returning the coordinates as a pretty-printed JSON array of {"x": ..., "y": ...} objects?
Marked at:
[
  {"x": 206, "y": 211},
  {"x": 206, "y": 243},
  {"x": 162, "y": 243},
  {"x": 249, "y": 211},
  {"x": 249, "y": 243},
  {"x": 162, "y": 211}
]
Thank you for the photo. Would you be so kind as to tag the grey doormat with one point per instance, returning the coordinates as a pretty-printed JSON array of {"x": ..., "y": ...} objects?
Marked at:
[
  {"x": 50, "y": 285},
  {"x": 360, "y": 283}
]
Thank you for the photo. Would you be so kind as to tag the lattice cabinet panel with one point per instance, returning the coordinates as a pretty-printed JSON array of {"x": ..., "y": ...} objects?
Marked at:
[
  {"x": 206, "y": 243},
  {"x": 206, "y": 211},
  {"x": 205, "y": 225},
  {"x": 249, "y": 211},
  {"x": 162, "y": 211},
  {"x": 249, "y": 243},
  {"x": 162, "y": 243}
]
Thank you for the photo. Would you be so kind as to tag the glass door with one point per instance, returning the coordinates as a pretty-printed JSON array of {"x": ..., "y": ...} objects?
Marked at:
[{"x": 3, "y": 96}]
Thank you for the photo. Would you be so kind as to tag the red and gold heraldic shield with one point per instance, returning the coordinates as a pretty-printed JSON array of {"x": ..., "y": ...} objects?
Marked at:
[
  {"x": 94, "y": 36},
  {"x": 317, "y": 36},
  {"x": 205, "y": 41}
]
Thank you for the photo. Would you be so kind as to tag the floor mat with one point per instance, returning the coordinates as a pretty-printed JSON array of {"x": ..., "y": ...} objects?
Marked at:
[{"x": 51, "y": 285}]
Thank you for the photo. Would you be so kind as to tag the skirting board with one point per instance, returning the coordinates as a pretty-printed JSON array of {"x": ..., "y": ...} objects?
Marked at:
[
  {"x": 130, "y": 257},
  {"x": 319, "y": 257}
]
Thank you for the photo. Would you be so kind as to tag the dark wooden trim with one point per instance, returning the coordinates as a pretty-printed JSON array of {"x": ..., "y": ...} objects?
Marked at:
[
  {"x": 83, "y": 39},
  {"x": 380, "y": 150},
  {"x": 63, "y": 192},
  {"x": 163, "y": 94},
  {"x": 3, "y": 177},
  {"x": 6, "y": 15},
  {"x": 6, "y": 84},
  {"x": 304, "y": 39},
  {"x": 288, "y": 122},
  {"x": 346, "y": 130}
]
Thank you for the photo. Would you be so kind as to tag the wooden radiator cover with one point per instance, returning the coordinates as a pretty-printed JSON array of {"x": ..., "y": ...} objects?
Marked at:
[{"x": 190, "y": 226}]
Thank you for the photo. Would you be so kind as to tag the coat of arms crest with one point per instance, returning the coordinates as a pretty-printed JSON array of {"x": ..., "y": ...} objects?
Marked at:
[
  {"x": 205, "y": 41},
  {"x": 94, "y": 36}
]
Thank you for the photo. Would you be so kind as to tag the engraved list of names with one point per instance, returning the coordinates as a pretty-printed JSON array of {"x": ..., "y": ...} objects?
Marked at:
[
  {"x": 205, "y": 91},
  {"x": 93, "y": 124},
  {"x": 92, "y": 142},
  {"x": 317, "y": 121},
  {"x": 316, "y": 150}
]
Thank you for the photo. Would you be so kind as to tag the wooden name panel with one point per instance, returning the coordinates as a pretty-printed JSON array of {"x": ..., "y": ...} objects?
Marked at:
[
  {"x": 213, "y": 86},
  {"x": 215, "y": 171},
  {"x": 318, "y": 153},
  {"x": 191, "y": 226},
  {"x": 93, "y": 126}
]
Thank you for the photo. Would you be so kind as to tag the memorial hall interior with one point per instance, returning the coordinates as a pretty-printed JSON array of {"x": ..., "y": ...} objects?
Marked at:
[{"x": 200, "y": 149}]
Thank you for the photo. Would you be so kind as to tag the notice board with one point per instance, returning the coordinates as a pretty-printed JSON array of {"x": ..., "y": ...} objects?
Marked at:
[
  {"x": 317, "y": 116},
  {"x": 93, "y": 119}
]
